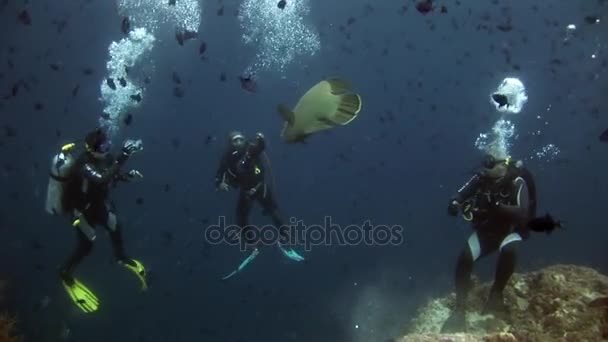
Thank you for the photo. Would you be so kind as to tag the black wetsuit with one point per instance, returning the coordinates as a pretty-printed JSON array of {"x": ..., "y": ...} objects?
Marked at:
[
  {"x": 87, "y": 197},
  {"x": 500, "y": 213},
  {"x": 240, "y": 169}
]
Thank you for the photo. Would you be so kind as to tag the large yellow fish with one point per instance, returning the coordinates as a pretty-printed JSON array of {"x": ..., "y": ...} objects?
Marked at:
[{"x": 328, "y": 104}]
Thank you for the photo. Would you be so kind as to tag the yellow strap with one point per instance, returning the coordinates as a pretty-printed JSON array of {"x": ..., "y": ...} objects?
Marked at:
[{"x": 67, "y": 147}]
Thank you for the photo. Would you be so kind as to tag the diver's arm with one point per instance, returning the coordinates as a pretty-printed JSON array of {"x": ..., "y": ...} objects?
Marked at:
[
  {"x": 96, "y": 175},
  {"x": 467, "y": 190},
  {"x": 519, "y": 211},
  {"x": 220, "y": 175}
]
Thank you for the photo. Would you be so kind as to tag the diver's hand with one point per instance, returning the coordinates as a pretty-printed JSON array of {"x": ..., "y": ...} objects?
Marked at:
[
  {"x": 453, "y": 208},
  {"x": 131, "y": 146},
  {"x": 134, "y": 175},
  {"x": 222, "y": 187}
]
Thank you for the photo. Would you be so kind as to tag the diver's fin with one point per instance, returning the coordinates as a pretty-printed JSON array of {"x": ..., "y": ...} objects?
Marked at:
[
  {"x": 81, "y": 296},
  {"x": 338, "y": 86},
  {"x": 291, "y": 254},
  {"x": 243, "y": 264},
  {"x": 138, "y": 269},
  {"x": 286, "y": 113},
  {"x": 348, "y": 109}
]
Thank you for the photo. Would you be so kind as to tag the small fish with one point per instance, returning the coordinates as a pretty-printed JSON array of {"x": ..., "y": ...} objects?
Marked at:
[
  {"x": 178, "y": 92},
  {"x": 147, "y": 80},
  {"x": 223, "y": 77},
  {"x": 88, "y": 71},
  {"x": 248, "y": 84},
  {"x": 139, "y": 201},
  {"x": 220, "y": 12},
  {"x": 202, "y": 48},
  {"x": 544, "y": 224},
  {"x": 182, "y": 36},
  {"x": 56, "y": 66},
  {"x": 209, "y": 139},
  {"x": 424, "y": 6},
  {"x": 592, "y": 19},
  {"x": 137, "y": 97},
  {"x": 282, "y": 4},
  {"x": 444, "y": 9},
  {"x": 125, "y": 26},
  {"x": 24, "y": 18},
  {"x": 176, "y": 78},
  {"x": 110, "y": 83},
  {"x": 506, "y": 27},
  {"x": 501, "y": 100},
  {"x": 61, "y": 25},
  {"x": 128, "y": 119},
  {"x": 122, "y": 81},
  {"x": 15, "y": 89},
  {"x": 604, "y": 136},
  {"x": 171, "y": 2},
  {"x": 38, "y": 106}
]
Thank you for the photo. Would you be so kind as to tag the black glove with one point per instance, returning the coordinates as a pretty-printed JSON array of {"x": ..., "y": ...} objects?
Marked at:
[{"x": 453, "y": 208}]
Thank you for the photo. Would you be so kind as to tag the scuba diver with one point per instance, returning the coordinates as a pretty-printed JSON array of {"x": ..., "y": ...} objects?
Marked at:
[
  {"x": 79, "y": 188},
  {"x": 500, "y": 202},
  {"x": 242, "y": 167}
]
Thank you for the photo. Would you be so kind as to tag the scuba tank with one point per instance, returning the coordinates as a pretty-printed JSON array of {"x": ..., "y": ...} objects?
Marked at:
[{"x": 58, "y": 180}]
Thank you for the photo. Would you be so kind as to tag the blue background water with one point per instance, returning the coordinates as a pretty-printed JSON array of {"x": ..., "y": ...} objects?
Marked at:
[{"x": 394, "y": 172}]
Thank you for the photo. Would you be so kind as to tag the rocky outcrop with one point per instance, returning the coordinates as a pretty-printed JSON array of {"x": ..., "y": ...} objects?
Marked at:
[
  {"x": 558, "y": 303},
  {"x": 7, "y": 324}
]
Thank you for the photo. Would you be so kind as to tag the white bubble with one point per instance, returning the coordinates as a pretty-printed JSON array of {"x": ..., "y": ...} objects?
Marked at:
[
  {"x": 514, "y": 91},
  {"x": 498, "y": 142},
  {"x": 152, "y": 14},
  {"x": 278, "y": 35},
  {"x": 547, "y": 153},
  {"x": 123, "y": 54}
]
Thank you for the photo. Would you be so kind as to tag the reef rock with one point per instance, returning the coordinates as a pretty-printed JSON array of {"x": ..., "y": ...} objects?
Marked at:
[{"x": 552, "y": 304}]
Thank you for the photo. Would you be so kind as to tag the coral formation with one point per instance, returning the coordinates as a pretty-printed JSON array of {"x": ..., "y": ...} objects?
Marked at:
[
  {"x": 558, "y": 303},
  {"x": 7, "y": 324}
]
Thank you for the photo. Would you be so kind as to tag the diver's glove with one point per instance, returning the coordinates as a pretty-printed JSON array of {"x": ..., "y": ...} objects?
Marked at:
[
  {"x": 453, "y": 208},
  {"x": 134, "y": 175},
  {"x": 223, "y": 186},
  {"x": 132, "y": 146},
  {"x": 129, "y": 148}
]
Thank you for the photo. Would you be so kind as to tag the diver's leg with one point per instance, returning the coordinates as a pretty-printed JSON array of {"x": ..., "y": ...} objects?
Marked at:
[
  {"x": 462, "y": 280},
  {"x": 270, "y": 207},
  {"x": 243, "y": 208},
  {"x": 115, "y": 231},
  {"x": 505, "y": 267},
  {"x": 84, "y": 245}
]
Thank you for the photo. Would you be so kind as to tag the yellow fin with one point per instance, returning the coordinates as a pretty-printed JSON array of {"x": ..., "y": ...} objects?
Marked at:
[
  {"x": 348, "y": 109},
  {"x": 286, "y": 113}
]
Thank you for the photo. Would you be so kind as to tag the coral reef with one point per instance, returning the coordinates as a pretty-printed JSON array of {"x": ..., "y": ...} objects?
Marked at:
[
  {"x": 7, "y": 323},
  {"x": 558, "y": 303}
]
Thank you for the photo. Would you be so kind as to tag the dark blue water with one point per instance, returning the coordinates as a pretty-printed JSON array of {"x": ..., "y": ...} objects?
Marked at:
[{"x": 434, "y": 78}]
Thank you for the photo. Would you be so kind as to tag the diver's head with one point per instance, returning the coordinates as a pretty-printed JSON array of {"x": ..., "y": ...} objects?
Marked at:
[
  {"x": 237, "y": 140},
  {"x": 97, "y": 143},
  {"x": 494, "y": 168}
]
